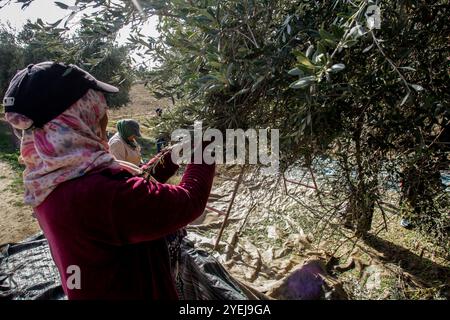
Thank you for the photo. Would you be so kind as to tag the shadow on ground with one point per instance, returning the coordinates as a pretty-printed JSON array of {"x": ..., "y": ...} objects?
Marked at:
[{"x": 425, "y": 270}]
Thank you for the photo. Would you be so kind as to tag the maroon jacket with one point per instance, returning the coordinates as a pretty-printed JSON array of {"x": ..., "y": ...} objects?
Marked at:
[{"x": 112, "y": 226}]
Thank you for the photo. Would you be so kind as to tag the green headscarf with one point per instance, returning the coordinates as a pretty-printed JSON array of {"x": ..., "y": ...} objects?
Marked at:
[{"x": 128, "y": 128}]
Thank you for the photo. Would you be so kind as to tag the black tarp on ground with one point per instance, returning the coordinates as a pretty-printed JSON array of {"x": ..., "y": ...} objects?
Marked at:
[
  {"x": 27, "y": 272},
  {"x": 204, "y": 278}
]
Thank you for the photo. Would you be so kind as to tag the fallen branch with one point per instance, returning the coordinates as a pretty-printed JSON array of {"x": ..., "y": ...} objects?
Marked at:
[
  {"x": 219, "y": 212},
  {"x": 236, "y": 187},
  {"x": 299, "y": 183},
  {"x": 384, "y": 215},
  {"x": 313, "y": 177}
]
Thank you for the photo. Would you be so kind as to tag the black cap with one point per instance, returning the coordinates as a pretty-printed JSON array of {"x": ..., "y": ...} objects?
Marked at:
[{"x": 43, "y": 91}]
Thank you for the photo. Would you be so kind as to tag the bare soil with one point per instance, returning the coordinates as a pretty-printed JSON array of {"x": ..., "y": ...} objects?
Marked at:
[{"x": 16, "y": 220}]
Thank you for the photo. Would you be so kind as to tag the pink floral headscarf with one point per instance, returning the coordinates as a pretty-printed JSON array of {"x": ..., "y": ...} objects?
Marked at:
[{"x": 67, "y": 147}]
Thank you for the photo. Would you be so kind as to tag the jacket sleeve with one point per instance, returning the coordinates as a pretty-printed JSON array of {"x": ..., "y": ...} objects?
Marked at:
[{"x": 145, "y": 210}]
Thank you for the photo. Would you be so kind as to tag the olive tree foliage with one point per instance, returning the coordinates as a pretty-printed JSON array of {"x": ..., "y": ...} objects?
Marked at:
[{"x": 373, "y": 101}]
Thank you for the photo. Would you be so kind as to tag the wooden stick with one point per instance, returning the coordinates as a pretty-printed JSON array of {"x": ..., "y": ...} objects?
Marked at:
[
  {"x": 300, "y": 184},
  {"x": 245, "y": 219},
  {"x": 236, "y": 187},
  {"x": 383, "y": 214},
  {"x": 313, "y": 178},
  {"x": 315, "y": 186},
  {"x": 219, "y": 212}
]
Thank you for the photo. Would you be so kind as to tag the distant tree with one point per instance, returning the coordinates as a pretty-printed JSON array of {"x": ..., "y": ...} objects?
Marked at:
[
  {"x": 87, "y": 48},
  {"x": 97, "y": 53},
  {"x": 39, "y": 45},
  {"x": 11, "y": 57}
]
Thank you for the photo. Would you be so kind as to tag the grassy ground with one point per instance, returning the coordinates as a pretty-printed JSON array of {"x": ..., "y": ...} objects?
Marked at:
[
  {"x": 9, "y": 154},
  {"x": 16, "y": 220},
  {"x": 8, "y": 146}
]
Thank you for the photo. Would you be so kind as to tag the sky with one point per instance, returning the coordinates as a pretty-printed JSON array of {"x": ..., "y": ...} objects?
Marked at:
[
  {"x": 49, "y": 12},
  {"x": 44, "y": 9}
]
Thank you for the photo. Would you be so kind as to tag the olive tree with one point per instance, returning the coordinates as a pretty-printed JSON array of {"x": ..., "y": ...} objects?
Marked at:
[{"x": 361, "y": 83}]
